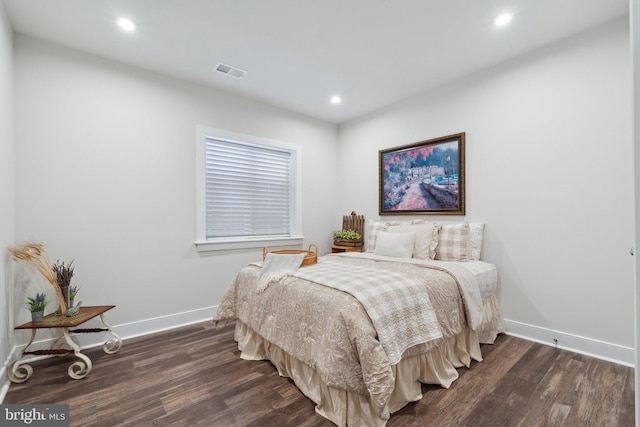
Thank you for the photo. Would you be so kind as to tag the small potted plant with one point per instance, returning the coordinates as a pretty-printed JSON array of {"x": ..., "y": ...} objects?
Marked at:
[
  {"x": 347, "y": 238},
  {"x": 36, "y": 306}
]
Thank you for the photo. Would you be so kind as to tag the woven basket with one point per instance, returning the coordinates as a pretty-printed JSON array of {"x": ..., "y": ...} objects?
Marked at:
[
  {"x": 310, "y": 258},
  {"x": 345, "y": 242}
]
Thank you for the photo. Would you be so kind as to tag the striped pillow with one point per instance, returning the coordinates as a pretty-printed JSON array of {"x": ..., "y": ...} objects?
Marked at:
[{"x": 453, "y": 242}]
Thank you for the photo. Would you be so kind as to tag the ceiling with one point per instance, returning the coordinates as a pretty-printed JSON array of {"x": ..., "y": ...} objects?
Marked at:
[{"x": 299, "y": 53}]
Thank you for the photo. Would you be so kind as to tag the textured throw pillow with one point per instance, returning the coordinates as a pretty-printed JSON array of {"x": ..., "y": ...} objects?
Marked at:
[
  {"x": 453, "y": 242},
  {"x": 426, "y": 241},
  {"x": 399, "y": 245},
  {"x": 474, "y": 247}
]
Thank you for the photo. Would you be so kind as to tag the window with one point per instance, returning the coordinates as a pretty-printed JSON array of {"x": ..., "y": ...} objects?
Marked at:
[{"x": 247, "y": 191}]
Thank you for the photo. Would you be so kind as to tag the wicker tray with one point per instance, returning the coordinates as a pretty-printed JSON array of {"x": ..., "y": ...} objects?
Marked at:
[
  {"x": 345, "y": 242},
  {"x": 310, "y": 258}
]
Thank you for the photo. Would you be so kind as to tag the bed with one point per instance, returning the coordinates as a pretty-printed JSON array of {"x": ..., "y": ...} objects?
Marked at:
[{"x": 359, "y": 332}]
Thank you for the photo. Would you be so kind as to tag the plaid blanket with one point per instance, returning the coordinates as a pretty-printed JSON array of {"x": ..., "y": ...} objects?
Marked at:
[{"x": 398, "y": 305}]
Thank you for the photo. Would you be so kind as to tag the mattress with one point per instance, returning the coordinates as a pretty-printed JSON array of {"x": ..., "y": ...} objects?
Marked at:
[{"x": 485, "y": 273}]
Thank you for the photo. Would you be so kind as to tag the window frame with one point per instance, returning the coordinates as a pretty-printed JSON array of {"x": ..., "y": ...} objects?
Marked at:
[{"x": 203, "y": 244}]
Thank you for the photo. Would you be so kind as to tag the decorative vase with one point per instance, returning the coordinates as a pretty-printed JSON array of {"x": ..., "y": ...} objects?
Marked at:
[
  {"x": 37, "y": 316},
  {"x": 65, "y": 294}
]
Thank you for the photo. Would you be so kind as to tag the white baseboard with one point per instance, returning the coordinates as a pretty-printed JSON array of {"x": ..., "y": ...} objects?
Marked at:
[
  {"x": 162, "y": 323},
  {"x": 4, "y": 386},
  {"x": 13, "y": 355},
  {"x": 124, "y": 331},
  {"x": 594, "y": 348}
]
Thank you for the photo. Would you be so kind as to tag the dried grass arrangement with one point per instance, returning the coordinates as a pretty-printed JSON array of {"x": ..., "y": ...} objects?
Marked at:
[{"x": 36, "y": 255}]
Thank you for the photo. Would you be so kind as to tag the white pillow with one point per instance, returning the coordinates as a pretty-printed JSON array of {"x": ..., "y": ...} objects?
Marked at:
[
  {"x": 474, "y": 246},
  {"x": 424, "y": 245},
  {"x": 399, "y": 245},
  {"x": 372, "y": 232}
]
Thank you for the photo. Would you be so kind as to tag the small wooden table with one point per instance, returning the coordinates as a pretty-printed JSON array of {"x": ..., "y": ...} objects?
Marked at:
[
  {"x": 337, "y": 249},
  {"x": 80, "y": 368}
]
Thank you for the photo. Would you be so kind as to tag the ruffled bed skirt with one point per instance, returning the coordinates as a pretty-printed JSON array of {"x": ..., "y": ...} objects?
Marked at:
[{"x": 347, "y": 408}]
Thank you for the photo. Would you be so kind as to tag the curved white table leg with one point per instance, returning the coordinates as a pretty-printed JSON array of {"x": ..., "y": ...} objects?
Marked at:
[
  {"x": 80, "y": 368},
  {"x": 19, "y": 373},
  {"x": 111, "y": 346}
]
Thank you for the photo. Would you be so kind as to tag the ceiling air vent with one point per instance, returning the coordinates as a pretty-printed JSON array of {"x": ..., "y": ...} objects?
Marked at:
[{"x": 229, "y": 70}]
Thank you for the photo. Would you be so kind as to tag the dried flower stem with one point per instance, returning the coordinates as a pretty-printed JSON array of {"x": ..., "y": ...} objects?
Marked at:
[{"x": 36, "y": 255}]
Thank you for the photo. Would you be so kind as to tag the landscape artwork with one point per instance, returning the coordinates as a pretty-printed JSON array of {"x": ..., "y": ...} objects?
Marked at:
[{"x": 423, "y": 178}]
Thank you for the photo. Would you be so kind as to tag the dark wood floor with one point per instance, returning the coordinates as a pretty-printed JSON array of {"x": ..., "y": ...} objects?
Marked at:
[{"x": 193, "y": 376}]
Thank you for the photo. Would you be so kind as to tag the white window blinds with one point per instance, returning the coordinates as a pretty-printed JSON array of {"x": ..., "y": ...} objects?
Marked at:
[{"x": 248, "y": 190}]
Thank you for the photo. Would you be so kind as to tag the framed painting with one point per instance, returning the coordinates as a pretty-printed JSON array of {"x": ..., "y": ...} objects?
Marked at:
[{"x": 426, "y": 177}]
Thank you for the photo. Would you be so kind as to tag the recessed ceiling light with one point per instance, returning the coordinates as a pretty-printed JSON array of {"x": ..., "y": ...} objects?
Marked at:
[
  {"x": 336, "y": 99},
  {"x": 503, "y": 19},
  {"x": 126, "y": 24}
]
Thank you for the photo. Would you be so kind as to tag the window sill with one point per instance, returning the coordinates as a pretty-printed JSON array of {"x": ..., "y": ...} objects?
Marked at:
[{"x": 225, "y": 245}]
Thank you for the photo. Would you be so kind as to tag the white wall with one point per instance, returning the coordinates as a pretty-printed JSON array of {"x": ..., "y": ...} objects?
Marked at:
[
  {"x": 7, "y": 223},
  {"x": 634, "y": 6},
  {"x": 105, "y": 157},
  {"x": 549, "y": 170}
]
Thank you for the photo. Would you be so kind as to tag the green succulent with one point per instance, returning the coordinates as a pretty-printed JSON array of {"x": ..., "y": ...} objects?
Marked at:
[{"x": 347, "y": 235}]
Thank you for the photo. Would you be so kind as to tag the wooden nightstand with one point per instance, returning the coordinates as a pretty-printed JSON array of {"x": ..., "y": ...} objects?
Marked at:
[{"x": 337, "y": 249}]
